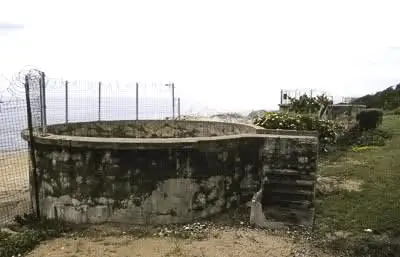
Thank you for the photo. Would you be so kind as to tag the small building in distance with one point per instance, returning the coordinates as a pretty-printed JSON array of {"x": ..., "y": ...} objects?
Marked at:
[{"x": 335, "y": 111}]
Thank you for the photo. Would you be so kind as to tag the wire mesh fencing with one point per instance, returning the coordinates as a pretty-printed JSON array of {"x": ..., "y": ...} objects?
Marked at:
[
  {"x": 287, "y": 94},
  {"x": 36, "y": 101},
  {"x": 69, "y": 101},
  {"x": 15, "y": 197},
  {"x": 19, "y": 110}
]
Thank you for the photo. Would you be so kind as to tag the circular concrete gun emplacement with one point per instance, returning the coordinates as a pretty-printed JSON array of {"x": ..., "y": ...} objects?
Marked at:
[{"x": 166, "y": 171}]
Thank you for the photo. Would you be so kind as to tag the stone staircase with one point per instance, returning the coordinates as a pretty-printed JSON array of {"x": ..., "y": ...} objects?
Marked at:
[{"x": 289, "y": 197}]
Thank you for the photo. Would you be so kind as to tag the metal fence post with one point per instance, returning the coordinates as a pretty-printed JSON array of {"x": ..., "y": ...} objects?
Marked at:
[
  {"x": 179, "y": 108},
  {"x": 99, "y": 101},
  {"x": 173, "y": 101},
  {"x": 137, "y": 101},
  {"x": 66, "y": 101},
  {"x": 42, "y": 85},
  {"x": 31, "y": 147}
]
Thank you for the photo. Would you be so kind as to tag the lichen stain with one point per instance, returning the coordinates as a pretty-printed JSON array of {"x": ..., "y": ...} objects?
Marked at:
[{"x": 179, "y": 187}]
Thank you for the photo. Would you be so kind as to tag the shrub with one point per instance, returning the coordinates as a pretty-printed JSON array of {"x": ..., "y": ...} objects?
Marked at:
[
  {"x": 369, "y": 119},
  {"x": 20, "y": 243},
  {"x": 28, "y": 232},
  {"x": 328, "y": 130},
  {"x": 308, "y": 104},
  {"x": 374, "y": 137}
]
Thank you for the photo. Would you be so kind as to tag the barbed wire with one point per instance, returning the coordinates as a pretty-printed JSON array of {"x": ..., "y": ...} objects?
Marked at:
[{"x": 17, "y": 83}]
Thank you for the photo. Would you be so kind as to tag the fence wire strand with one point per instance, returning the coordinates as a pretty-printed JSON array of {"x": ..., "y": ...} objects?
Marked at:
[
  {"x": 66, "y": 101},
  {"x": 77, "y": 101},
  {"x": 15, "y": 165}
]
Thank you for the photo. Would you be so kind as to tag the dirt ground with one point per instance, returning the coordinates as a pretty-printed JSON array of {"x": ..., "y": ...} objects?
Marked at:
[
  {"x": 233, "y": 243},
  {"x": 14, "y": 185},
  {"x": 328, "y": 185},
  {"x": 14, "y": 200}
]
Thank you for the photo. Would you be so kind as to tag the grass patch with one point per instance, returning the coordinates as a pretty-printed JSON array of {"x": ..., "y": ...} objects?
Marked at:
[
  {"x": 27, "y": 233},
  {"x": 377, "y": 205}
]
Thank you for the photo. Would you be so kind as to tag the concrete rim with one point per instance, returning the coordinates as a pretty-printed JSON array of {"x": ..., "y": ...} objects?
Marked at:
[{"x": 156, "y": 143}]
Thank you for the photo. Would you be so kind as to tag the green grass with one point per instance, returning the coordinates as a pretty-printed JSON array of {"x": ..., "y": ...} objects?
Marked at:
[{"x": 377, "y": 205}]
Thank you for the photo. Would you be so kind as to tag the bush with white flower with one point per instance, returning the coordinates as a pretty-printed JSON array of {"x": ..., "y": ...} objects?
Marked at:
[{"x": 328, "y": 130}]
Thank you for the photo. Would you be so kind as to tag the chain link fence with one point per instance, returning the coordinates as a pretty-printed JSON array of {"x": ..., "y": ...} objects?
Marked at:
[
  {"x": 14, "y": 161},
  {"x": 20, "y": 109},
  {"x": 69, "y": 101},
  {"x": 33, "y": 101}
]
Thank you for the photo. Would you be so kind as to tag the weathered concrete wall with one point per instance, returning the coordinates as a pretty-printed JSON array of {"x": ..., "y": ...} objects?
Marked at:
[
  {"x": 342, "y": 111},
  {"x": 290, "y": 163},
  {"x": 149, "y": 181},
  {"x": 284, "y": 107},
  {"x": 173, "y": 185},
  {"x": 151, "y": 129},
  {"x": 287, "y": 132},
  {"x": 145, "y": 186}
]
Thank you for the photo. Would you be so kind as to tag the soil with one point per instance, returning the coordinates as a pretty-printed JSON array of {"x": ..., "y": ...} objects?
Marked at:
[
  {"x": 228, "y": 242},
  {"x": 328, "y": 185},
  {"x": 15, "y": 200},
  {"x": 242, "y": 241}
]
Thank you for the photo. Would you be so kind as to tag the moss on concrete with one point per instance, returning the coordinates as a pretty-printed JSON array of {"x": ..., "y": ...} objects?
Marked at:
[
  {"x": 167, "y": 184},
  {"x": 150, "y": 129}
]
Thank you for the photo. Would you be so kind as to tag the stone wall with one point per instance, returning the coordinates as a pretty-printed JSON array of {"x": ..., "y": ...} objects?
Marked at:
[
  {"x": 170, "y": 184},
  {"x": 151, "y": 129},
  {"x": 290, "y": 163},
  {"x": 287, "y": 132},
  {"x": 341, "y": 111}
]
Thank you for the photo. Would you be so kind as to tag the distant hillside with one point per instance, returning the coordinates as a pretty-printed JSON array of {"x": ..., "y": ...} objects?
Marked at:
[{"x": 387, "y": 99}]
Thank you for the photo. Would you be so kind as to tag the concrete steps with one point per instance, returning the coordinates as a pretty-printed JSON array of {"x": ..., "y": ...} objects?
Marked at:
[
  {"x": 288, "y": 173},
  {"x": 287, "y": 215},
  {"x": 292, "y": 204},
  {"x": 289, "y": 197},
  {"x": 296, "y": 182}
]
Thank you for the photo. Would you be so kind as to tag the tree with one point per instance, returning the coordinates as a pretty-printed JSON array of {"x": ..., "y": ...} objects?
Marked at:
[{"x": 388, "y": 99}]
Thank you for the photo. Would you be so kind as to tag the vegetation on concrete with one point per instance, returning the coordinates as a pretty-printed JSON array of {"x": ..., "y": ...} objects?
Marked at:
[
  {"x": 304, "y": 114},
  {"x": 328, "y": 130}
]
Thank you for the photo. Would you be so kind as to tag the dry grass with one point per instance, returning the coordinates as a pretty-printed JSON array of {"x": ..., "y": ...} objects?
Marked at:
[
  {"x": 232, "y": 243},
  {"x": 14, "y": 184}
]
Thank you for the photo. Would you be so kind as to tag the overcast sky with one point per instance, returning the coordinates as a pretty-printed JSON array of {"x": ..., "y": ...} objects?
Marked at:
[{"x": 226, "y": 54}]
